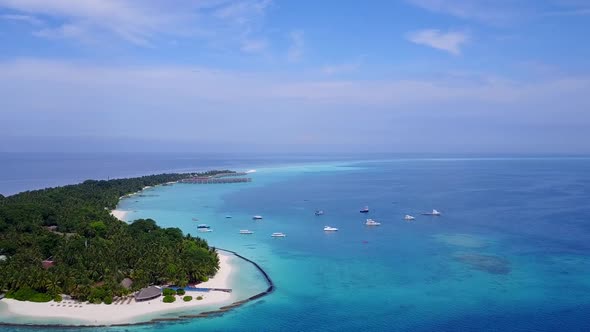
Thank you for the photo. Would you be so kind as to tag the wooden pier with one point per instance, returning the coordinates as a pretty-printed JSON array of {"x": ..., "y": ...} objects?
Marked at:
[
  {"x": 216, "y": 180},
  {"x": 225, "y": 175}
]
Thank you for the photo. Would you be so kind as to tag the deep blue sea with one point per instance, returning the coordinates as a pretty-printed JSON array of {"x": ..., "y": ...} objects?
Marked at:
[{"x": 511, "y": 251}]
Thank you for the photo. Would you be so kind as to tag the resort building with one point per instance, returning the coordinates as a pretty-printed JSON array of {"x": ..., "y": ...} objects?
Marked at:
[
  {"x": 47, "y": 263},
  {"x": 126, "y": 283},
  {"x": 148, "y": 293}
]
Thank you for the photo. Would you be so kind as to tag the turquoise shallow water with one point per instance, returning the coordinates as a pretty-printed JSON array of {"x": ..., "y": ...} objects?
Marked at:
[{"x": 510, "y": 252}]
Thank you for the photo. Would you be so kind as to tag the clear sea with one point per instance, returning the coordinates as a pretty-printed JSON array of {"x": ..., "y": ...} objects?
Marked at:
[{"x": 511, "y": 251}]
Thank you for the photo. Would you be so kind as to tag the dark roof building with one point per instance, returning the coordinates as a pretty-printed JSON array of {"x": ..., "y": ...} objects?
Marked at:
[
  {"x": 126, "y": 283},
  {"x": 148, "y": 293}
]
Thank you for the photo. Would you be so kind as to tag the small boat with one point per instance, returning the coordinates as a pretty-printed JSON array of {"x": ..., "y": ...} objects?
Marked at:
[
  {"x": 205, "y": 230},
  {"x": 319, "y": 212},
  {"x": 257, "y": 217},
  {"x": 408, "y": 217},
  {"x": 371, "y": 222},
  {"x": 195, "y": 219},
  {"x": 433, "y": 213},
  {"x": 330, "y": 229},
  {"x": 250, "y": 171},
  {"x": 278, "y": 234},
  {"x": 365, "y": 210},
  {"x": 203, "y": 226},
  {"x": 245, "y": 231},
  {"x": 227, "y": 217}
]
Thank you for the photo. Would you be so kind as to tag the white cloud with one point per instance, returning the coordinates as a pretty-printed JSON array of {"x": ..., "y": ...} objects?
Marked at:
[
  {"x": 254, "y": 45},
  {"x": 21, "y": 18},
  {"x": 243, "y": 12},
  {"x": 297, "y": 46},
  {"x": 504, "y": 12},
  {"x": 568, "y": 12},
  {"x": 64, "y": 31},
  {"x": 140, "y": 22},
  {"x": 494, "y": 12},
  {"x": 42, "y": 98},
  {"x": 335, "y": 69},
  {"x": 184, "y": 86},
  {"x": 446, "y": 41}
]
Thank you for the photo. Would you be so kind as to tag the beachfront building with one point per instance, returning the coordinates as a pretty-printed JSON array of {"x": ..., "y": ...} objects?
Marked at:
[
  {"x": 48, "y": 263},
  {"x": 148, "y": 293},
  {"x": 126, "y": 283}
]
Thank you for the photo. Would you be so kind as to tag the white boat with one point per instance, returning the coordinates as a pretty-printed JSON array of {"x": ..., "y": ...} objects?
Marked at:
[
  {"x": 433, "y": 213},
  {"x": 250, "y": 171},
  {"x": 371, "y": 222},
  {"x": 245, "y": 231},
  {"x": 205, "y": 230},
  {"x": 319, "y": 212},
  {"x": 203, "y": 226},
  {"x": 330, "y": 229},
  {"x": 364, "y": 210},
  {"x": 409, "y": 217},
  {"x": 257, "y": 217},
  {"x": 278, "y": 234}
]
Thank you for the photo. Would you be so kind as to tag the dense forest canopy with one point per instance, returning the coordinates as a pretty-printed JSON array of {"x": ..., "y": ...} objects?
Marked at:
[{"x": 89, "y": 250}]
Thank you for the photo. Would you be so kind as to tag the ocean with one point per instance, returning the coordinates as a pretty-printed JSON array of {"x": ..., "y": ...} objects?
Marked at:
[{"x": 510, "y": 252}]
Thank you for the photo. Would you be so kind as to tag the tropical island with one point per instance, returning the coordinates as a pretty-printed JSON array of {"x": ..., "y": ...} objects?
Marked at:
[{"x": 63, "y": 243}]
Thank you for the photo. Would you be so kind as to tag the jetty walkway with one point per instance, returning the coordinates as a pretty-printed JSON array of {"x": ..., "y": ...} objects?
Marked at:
[{"x": 216, "y": 179}]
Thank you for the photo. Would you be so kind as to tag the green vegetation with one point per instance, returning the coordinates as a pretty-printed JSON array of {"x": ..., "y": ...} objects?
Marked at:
[
  {"x": 180, "y": 291},
  {"x": 169, "y": 298},
  {"x": 187, "y": 298},
  {"x": 168, "y": 291},
  {"x": 89, "y": 250},
  {"x": 199, "y": 298},
  {"x": 28, "y": 294}
]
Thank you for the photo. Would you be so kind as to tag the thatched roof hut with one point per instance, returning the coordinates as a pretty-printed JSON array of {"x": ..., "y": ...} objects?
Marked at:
[
  {"x": 148, "y": 293},
  {"x": 126, "y": 283}
]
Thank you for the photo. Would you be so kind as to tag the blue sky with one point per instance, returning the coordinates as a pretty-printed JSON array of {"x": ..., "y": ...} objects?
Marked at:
[{"x": 320, "y": 76}]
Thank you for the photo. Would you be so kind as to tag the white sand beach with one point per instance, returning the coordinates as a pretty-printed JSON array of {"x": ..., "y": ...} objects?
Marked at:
[
  {"x": 133, "y": 312},
  {"x": 119, "y": 214}
]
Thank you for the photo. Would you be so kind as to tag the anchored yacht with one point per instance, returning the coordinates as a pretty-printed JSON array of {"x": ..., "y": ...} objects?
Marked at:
[
  {"x": 245, "y": 231},
  {"x": 319, "y": 212},
  {"x": 278, "y": 234},
  {"x": 364, "y": 210},
  {"x": 257, "y": 217},
  {"x": 371, "y": 222},
  {"x": 330, "y": 229},
  {"x": 433, "y": 213},
  {"x": 409, "y": 217}
]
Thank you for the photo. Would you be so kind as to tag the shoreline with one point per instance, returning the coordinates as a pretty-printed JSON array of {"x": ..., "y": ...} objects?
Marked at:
[
  {"x": 84, "y": 314},
  {"x": 119, "y": 214},
  {"x": 73, "y": 314},
  {"x": 122, "y": 214}
]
